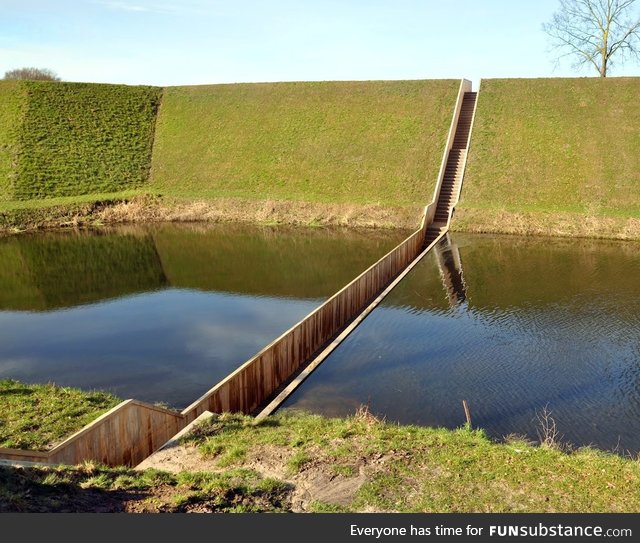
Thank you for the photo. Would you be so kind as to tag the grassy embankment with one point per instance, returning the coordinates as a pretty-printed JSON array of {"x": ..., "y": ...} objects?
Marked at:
[
  {"x": 12, "y": 103},
  {"x": 343, "y": 148},
  {"x": 548, "y": 156},
  {"x": 300, "y": 462},
  {"x": 38, "y": 416},
  {"x": 353, "y": 153},
  {"x": 554, "y": 157},
  {"x": 69, "y": 148}
]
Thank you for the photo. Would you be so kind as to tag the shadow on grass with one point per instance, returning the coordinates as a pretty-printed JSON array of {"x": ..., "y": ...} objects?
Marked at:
[
  {"x": 43, "y": 490},
  {"x": 18, "y": 390}
]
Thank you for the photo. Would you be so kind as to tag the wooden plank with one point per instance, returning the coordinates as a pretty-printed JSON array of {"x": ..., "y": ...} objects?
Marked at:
[
  {"x": 253, "y": 382},
  {"x": 125, "y": 435},
  {"x": 291, "y": 387}
]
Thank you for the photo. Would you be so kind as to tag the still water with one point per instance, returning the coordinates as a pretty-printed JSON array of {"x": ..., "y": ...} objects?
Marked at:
[
  {"x": 512, "y": 325},
  {"x": 162, "y": 313}
]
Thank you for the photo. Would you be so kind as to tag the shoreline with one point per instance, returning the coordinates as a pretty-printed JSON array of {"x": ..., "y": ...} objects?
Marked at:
[
  {"x": 147, "y": 209},
  {"x": 152, "y": 209},
  {"x": 547, "y": 224}
]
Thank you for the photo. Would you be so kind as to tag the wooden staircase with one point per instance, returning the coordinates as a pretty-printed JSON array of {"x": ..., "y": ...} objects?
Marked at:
[{"x": 454, "y": 170}]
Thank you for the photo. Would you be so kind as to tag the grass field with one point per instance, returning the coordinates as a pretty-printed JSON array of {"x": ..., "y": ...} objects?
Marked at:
[
  {"x": 12, "y": 105},
  {"x": 548, "y": 156},
  {"x": 81, "y": 138},
  {"x": 38, "y": 416},
  {"x": 556, "y": 146},
  {"x": 345, "y": 142},
  {"x": 417, "y": 469},
  {"x": 300, "y": 462}
]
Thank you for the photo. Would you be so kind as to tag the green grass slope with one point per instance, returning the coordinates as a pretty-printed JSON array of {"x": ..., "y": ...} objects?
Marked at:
[
  {"x": 556, "y": 145},
  {"x": 80, "y": 138},
  {"x": 36, "y": 416},
  {"x": 12, "y": 105},
  {"x": 339, "y": 142}
]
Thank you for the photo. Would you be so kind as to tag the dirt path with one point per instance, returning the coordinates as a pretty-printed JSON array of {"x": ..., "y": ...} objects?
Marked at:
[{"x": 315, "y": 482}]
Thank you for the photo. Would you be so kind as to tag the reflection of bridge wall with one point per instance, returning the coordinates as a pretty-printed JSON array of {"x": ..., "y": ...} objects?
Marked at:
[
  {"x": 512, "y": 275},
  {"x": 450, "y": 267}
]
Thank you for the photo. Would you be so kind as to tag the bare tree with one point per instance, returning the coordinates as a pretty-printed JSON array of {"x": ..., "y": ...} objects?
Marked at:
[
  {"x": 595, "y": 31},
  {"x": 39, "y": 74}
]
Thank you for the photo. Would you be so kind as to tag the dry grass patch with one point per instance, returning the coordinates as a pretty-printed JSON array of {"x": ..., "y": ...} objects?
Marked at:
[{"x": 540, "y": 223}]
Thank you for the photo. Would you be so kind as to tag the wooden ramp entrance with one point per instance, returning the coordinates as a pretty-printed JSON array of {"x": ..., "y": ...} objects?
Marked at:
[{"x": 133, "y": 430}]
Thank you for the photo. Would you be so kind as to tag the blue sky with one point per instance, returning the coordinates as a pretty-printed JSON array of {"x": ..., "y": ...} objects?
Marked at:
[{"x": 167, "y": 42}]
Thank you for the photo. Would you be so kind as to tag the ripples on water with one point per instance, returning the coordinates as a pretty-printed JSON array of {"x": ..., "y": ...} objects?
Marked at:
[{"x": 517, "y": 326}]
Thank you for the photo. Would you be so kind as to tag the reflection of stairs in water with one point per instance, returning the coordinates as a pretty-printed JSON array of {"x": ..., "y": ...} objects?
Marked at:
[{"x": 450, "y": 266}]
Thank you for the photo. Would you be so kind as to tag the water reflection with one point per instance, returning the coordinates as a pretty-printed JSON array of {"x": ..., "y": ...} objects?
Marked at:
[
  {"x": 511, "y": 325},
  {"x": 161, "y": 313},
  {"x": 450, "y": 267}
]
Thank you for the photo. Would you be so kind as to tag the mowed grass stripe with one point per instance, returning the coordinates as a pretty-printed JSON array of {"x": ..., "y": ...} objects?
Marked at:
[
  {"x": 342, "y": 142},
  {"x": 556, "y": 145},
  {"x": 82, "y": 138},
  {"x": 12, "y": 106}
]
